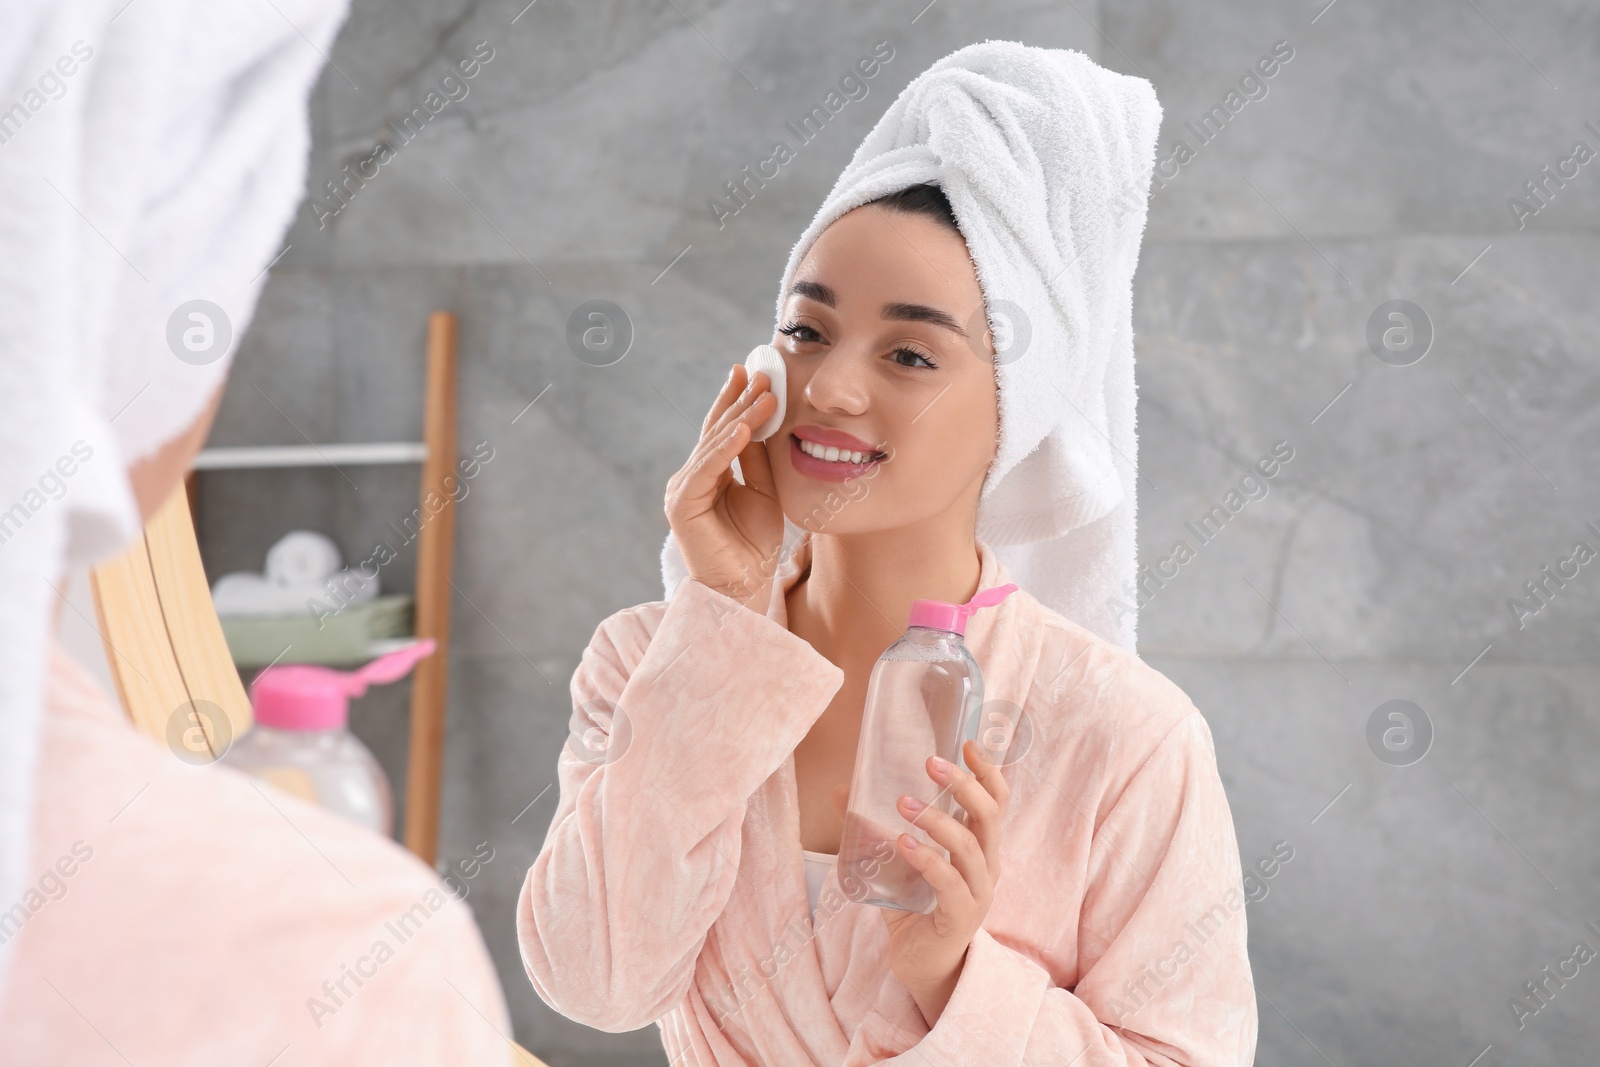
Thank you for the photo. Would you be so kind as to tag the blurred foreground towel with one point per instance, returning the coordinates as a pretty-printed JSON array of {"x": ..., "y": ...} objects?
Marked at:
[
  {"x": 1046, "y": 159},
  {"x": 151, "y": 154}
]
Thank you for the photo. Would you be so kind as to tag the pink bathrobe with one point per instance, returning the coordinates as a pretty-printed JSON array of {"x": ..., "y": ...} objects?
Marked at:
[
  {"x": 176, "y": 916},
  {"x": 671, "y": 887}
]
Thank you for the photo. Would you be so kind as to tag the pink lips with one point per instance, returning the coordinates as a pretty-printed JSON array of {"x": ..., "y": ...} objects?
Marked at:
[
  {"x": 822, "y": 435},
  {"x": 821, "y": 469}
]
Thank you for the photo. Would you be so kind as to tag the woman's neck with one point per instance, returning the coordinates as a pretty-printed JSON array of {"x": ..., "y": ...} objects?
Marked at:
[{"x": 856, "y": 596}]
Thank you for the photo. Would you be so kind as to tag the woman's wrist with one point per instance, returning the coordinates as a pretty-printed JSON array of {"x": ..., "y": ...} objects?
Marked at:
[{"x": 933, "y": 997}]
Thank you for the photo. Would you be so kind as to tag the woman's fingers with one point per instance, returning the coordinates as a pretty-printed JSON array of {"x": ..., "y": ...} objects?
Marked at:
[
  {"x": 684, "y": 483},
  {"x": 735, "y": 389},
  {"x": 725, "y": 396},
  {"x": 983, "y": 794},
  {"x": 747, "y": 390},
  {"x": 754, "y": 462},
  {"x": 748, "y": 407},
  {"x": 966, "y": 853},
  {"x": 724, "y": 435},
  {"x": 973, "y": 843},
  {"x": 950, "y": 884},
  {"x": 727, "y": 533},
  {"x": 709, "y": 466}
]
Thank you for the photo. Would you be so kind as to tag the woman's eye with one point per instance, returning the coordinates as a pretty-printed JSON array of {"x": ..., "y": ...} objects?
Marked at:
[
  {"x": 903, "y": 356},
  {"x": 794, "y": 329},
  {"x": 914, "y": 354}
]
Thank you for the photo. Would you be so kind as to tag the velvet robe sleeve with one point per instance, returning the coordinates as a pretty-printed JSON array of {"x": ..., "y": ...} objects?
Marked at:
[
  {"x": 1164, "y": 973},
  {"x": 644, "y": 846}
]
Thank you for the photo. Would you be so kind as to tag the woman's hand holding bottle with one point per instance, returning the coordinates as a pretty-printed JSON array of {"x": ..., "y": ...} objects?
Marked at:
[
  {"x": 730, "y": 534},
  {"x": 928, "y": 952}
]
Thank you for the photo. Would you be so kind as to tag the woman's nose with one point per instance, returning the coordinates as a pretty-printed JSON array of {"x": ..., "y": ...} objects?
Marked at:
[{"x": 838, "y": 383}]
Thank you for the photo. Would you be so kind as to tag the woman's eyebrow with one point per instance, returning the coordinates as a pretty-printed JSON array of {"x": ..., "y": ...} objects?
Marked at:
[
  {"x": 896, "y": 310},
  {"x": 922, "y": 313}
]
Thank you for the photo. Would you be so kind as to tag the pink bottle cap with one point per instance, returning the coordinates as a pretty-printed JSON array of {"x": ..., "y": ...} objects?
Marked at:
[
  {"x": 943, "y": 615},
  {"x": 306, "y": 697}
]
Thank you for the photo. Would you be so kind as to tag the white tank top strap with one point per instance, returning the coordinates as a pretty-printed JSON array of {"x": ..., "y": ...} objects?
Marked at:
[{"x": 817, "y": 866}]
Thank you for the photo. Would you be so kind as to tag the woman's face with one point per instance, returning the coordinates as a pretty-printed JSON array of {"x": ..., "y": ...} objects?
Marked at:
[{"x": 885, "y": 339}]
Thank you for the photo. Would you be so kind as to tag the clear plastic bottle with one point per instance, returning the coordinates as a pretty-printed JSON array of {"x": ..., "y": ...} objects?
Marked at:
[
  {"x": 299, "y": 741},
  {"x": 923, "y": 699}
]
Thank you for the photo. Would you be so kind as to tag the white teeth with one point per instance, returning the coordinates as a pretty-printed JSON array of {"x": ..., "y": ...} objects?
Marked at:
[{"x": 833, "y": 455}]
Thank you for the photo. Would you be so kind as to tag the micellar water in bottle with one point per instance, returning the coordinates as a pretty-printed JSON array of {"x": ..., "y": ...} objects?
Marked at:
[
  {"x": 923, "y": 699},
  {"x": 300, "y": 739}
]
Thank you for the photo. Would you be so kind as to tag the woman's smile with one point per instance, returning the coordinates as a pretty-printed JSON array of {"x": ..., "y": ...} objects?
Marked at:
[{"x": 829, "y": 463}]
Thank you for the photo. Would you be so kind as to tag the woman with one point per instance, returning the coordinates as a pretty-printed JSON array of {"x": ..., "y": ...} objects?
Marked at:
[{"x": 1090, "y": 909}]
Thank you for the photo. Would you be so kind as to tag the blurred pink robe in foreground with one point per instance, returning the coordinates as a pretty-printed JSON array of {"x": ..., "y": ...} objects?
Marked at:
[
  {"x": 670, "y": 887},
  {"x": 187, "y": 915}
]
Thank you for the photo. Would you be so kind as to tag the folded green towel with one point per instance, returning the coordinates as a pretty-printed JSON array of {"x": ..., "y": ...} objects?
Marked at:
[{"x": 341, "y": 639}]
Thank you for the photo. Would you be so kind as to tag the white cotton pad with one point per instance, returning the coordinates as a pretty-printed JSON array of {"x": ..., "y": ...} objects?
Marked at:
[{"x": 769, "y": 359}]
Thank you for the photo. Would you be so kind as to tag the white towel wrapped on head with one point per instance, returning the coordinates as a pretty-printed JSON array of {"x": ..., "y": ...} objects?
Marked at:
[{"x": 1046, "y": 159}]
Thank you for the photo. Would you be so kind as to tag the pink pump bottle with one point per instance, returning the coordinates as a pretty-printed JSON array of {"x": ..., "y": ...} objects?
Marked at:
[
  {"x": 300, "y": 742},
  {"x": 923, "y": 699}
]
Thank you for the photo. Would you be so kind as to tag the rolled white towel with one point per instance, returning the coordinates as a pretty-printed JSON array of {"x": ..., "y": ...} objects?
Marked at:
[
  {"x": 303, "y": 576},
  {"x": 244, "y": 594},
  {"x": 303, "y": 558}
]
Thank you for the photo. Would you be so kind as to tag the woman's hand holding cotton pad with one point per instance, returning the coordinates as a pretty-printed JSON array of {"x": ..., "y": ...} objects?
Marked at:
[
  {"x": 727, "y": 526},
  {"x": 769, "y": 359}
]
